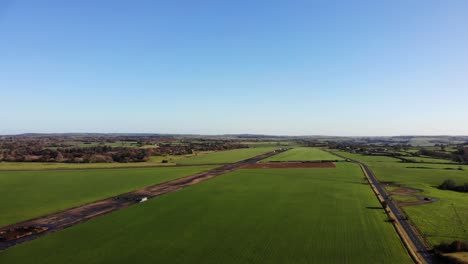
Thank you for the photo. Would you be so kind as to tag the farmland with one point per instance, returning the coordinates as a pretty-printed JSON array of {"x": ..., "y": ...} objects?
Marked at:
[
  {"x": 297, "y": 206},
  {"x": 25, "y": 194},
  {"x": 277, "y": 144},
  {"x": 227, "y": 156},
  {"x": 312, "y": 216},
  {"x": 429, "y": 160},
  {"x": 303, "y": 154},
  {"x": 443, "y": 220},
  {"x": 155, "y": 161},
  {"x": 207, "y": 157}
]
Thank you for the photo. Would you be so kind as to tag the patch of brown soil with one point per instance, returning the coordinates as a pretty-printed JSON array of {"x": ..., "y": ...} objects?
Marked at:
[
  {"x": 410, "y": 192},
  {"x": 19, "y": 232},
  {"x": 404, "y": 191},
  {"x": 284, "y": 165},
  {"x": 421, "y": 200}
]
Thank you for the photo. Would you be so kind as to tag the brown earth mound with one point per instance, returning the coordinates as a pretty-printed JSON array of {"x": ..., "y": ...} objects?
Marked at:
[{"x": 284, "y": 165}]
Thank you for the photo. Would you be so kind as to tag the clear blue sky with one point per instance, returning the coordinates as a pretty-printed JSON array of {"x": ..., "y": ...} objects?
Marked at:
[{"x": 215, "y": 67}]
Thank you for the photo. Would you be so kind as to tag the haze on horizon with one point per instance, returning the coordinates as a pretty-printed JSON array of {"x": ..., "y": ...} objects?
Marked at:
[{"x": 364, "y": 68}]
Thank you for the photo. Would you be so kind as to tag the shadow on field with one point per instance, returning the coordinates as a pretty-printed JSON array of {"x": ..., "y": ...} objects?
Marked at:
[{"x": 374, "y": 207}]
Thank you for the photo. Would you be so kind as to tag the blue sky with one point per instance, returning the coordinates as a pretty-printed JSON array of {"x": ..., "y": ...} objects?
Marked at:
[{"x": 216, "y": 67}]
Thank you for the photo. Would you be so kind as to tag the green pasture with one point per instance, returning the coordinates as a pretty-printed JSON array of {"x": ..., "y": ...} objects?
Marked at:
[
  {"x": 227, "y": 156},
  {"x": 444, "y": 220},
  {"x": 404, "y": 198},
  {"x": 247, "y": 216},
  {"x": 154, "y": 161},
  {"x": 429, "y": 160},
  {"x": 262, "y": 144},
  {"x": 303, "y": 154},
  {"x": 28, "y": 194}
]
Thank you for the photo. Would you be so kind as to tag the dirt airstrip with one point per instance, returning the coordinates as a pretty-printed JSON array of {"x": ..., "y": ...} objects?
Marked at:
[{"x": 40, "y": 226}]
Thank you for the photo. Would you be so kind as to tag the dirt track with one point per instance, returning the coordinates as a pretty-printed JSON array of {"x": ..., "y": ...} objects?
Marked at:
[
  {"x": 284, "y": 165},
  {"x": 31, "y": 229}
]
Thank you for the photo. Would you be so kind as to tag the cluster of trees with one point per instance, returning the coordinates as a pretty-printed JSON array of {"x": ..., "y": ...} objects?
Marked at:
[
  {"x": 58, "y": 148},
  {"x": 312, "y": 143},
  {"x": 452, "y": 185},
  {"x": 76, "y": 155},
  {"x": 463, "y": 152},
  {"x": 190, "y": 148},
  {"x": 435, "y": 154},
  {"x": 455, "y": 156},
  {"x": 365, "y": 149},
  {"x": 455, "y": 246},
  {"x": 460, "y": 155},
  {"x": 216, "y": 146}
]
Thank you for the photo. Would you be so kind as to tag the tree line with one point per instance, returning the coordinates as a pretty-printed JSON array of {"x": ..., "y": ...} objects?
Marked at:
[
  {"x": 44, "y": 150},
  {"x": 97, "y": 154}
]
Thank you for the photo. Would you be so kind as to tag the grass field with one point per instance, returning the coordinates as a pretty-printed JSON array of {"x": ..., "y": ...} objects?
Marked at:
[
  {"x": 277, "y": 144},
  {"x": 303, "y": 154},
  {"x": 404, "y": 198},
  {"x": 153, "y": 162},
  {"x": 25, "y": 194},
  {"x": 444, "y": 220},
  {"x": 227, "y": 156},
  {"x": 248, "y": 216},
  {"x": 429, "y": 160}
]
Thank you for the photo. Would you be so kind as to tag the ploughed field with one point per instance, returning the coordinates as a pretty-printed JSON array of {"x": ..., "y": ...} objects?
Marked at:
[
  {"x": 445, "y": 219},
  {"x": 303, "y": 154},
  {"x": 28, "y": 194},
  {"x": 317, "y": 215}
]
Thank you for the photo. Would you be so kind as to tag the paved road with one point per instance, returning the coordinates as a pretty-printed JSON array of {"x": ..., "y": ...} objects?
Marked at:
[
  {"x": 415, "y": 239},
  {"x": 64, "y": 219},
  {"x": 417, "y": 242}
]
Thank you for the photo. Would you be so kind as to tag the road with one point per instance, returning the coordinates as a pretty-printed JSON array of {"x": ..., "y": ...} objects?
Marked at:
[
  {"x": 69, "y": 217},
  {"x": 400, "y": 218}
]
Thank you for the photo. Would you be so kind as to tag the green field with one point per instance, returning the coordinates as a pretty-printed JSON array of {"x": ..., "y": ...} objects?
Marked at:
[
  {"x": 277, "y": 144},
  {"x": 429, "y": 160},
  {"x": 248, "y": 216},
  {"x": 26, "y": 194},
  {"x": 155, "y": 161},
  {"x": 227, "y": 156},
  {"x": 303, "y": 154},
  {"x": 444, "y": 220}
]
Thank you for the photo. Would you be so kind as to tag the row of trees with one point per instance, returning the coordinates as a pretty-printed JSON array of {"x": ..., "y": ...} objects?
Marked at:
[
  {"x": 24, "y": 149},
  {"x": 460, "y": 155},
  {"x": 77, "y": 155},
  {"x": 457, "y": 156}
]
